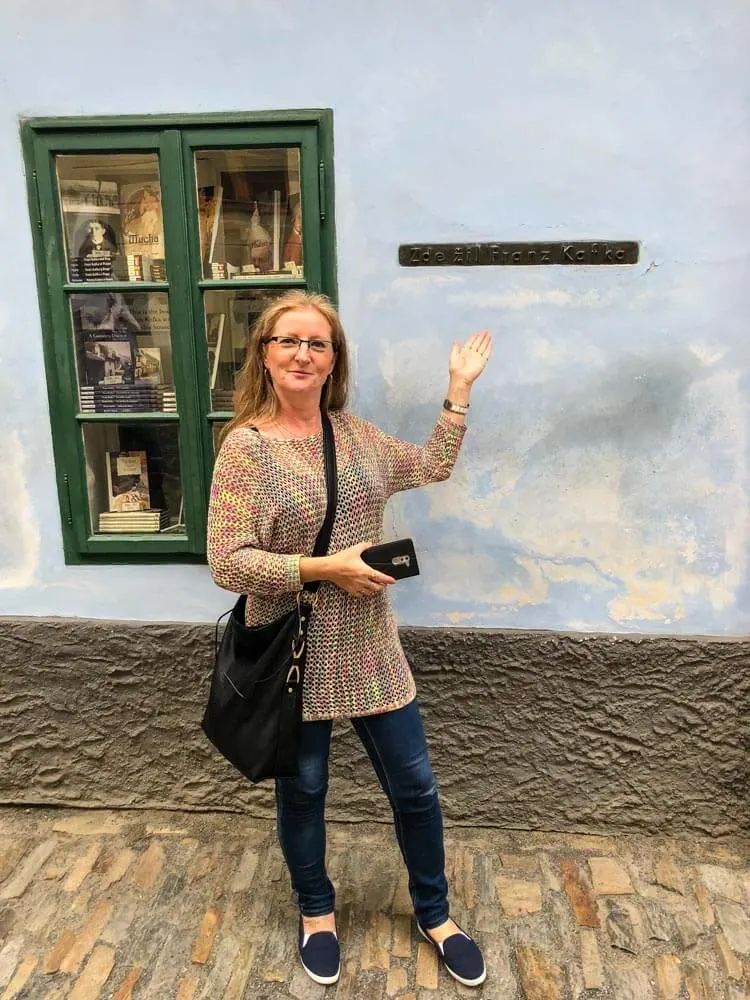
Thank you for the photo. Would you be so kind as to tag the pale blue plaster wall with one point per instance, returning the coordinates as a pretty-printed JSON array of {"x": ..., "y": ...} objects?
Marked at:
[{"x": 604, "y": 483}]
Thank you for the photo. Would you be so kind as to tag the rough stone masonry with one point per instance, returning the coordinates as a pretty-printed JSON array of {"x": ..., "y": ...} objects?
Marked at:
[{"x": 528, "y": 730}]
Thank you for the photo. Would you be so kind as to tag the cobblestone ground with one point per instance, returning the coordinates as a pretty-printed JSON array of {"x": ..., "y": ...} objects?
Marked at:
[{"x": 166, "y": 906}]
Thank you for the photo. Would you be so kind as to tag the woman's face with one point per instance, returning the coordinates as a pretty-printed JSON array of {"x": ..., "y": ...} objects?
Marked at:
[{"x": 299, "y": 368}]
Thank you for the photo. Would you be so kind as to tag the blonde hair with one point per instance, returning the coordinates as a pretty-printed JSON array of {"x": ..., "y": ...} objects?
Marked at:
[{"x": 254, "y": 396}]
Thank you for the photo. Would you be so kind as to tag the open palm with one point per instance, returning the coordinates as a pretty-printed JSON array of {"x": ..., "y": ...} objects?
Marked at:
[{"x": 467, "y": 361}]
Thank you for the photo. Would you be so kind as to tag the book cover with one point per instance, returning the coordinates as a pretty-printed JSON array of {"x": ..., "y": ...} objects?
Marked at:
[
  {"x": 214, "y": 337},
  {"x": 93, "y": 229},
  {"x": 104, "y": 311},
  {"x": 276, "y": 235},
  {"x": 92, "y": 197},
  {"x": 142, "y": 228},
  {"x": 127, "y": 481},
  {"x": 209, "y": 213},
  {"x": 148, "y": 366},
  {"x": 108, "y": 358}
]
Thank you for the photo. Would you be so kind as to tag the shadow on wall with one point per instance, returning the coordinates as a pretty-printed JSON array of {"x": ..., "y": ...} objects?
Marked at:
[
  {"x": 635, "y": 406},
  {"x": 617, "y": 498}
]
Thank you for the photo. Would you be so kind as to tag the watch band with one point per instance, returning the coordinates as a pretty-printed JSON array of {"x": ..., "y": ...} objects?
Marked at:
[{"x": 462, "y": 408}]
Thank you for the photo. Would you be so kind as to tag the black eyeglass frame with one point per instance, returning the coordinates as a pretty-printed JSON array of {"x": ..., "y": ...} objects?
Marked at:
[{"x": 302, "y": 340}]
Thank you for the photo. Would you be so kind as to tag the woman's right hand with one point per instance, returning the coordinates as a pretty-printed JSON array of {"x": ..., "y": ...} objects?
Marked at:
[{"x": 347, "y": 570}]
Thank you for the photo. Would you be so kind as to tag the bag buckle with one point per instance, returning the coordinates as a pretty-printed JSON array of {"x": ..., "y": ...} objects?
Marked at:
[{"x": 294, "y": 676}]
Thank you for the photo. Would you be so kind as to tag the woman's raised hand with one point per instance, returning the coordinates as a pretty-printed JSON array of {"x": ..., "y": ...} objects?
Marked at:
[
  {"x": 347, "y": 570},
  {"x": 467, "y": 361}
]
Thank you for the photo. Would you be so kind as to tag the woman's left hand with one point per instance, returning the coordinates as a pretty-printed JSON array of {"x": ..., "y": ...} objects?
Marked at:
[{"x": 467, "y": 362}]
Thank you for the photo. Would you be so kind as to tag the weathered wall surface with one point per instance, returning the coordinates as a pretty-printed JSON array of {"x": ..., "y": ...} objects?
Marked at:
[
  {"x": 604, "y": 482},
  {"x": 527, "y": 729}
]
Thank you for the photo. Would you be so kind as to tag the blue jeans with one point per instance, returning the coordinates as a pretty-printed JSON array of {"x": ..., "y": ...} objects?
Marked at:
[{"x": 396, "y": 745}]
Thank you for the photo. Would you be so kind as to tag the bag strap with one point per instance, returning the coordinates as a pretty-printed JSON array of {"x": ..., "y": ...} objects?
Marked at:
[{"x": 324, "y": 535}]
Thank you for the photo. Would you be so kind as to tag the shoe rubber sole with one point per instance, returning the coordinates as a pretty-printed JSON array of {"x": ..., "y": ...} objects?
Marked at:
[
  {"x": 322, "y": 980},
  {"x": 459, "y": 979}
]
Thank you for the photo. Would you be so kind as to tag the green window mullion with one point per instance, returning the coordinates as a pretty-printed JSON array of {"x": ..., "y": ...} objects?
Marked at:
[
  {"x": 195, "y": 294},
  {"x": 183, "y": 325},
  {"x": 311, "y": 211}
]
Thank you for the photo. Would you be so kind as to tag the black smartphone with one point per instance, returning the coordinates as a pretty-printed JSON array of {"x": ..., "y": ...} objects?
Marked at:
[{"x": 397, "y": 559}]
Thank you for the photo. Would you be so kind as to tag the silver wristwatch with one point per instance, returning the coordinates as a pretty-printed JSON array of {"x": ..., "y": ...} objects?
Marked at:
[{"x": 462, "y": 408}]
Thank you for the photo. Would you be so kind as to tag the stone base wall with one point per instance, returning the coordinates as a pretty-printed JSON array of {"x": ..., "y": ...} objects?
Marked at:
[{"x": 531, "y": 730}]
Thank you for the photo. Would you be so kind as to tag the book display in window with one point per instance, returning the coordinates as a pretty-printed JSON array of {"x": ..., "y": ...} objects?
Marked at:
[
  {"x": 119, "y": 372},
  {"x": 129, "y": 497},
  {"x": 142, "y": 231},
  {"x": 93, "y": 229},
  {"x": 250, "y": 214},
  {"x": 133, "y": 477}
]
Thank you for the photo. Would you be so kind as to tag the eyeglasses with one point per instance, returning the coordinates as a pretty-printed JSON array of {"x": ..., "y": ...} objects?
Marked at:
[{"x": 294, "y": 343}]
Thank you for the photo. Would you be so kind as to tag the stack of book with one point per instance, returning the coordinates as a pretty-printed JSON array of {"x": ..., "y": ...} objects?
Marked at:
[
  {"x": 133, "y": 522},
  {"x": 141, "y": 268},
  {"x": 121, "y": 398},
  {"x": 127, "y": 399},
  {"x": 221, "y": 399},
  {"x": 168, "y": 400},
  {"x": 135, "y": 267},
  {"x": 94, "y": 267},
  {"x": 158, "y": 269},
  {"x": 218, "y": 271}
]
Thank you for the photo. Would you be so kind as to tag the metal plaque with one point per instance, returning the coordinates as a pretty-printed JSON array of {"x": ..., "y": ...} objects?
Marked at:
[{"x": 517, "y": 254}]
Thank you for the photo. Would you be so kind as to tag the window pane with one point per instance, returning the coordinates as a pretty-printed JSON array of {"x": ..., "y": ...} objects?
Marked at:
[
  {"x": 133, "y": 478},
  {"x": 124, "y": 352},
  {"x": 250, "y": 212},
  {"x": 229, "y": 318},
  {"x": 111, "y": 211}
]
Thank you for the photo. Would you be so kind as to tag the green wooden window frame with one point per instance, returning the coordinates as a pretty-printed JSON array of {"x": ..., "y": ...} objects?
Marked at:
[{"x": 174, "y": 139}]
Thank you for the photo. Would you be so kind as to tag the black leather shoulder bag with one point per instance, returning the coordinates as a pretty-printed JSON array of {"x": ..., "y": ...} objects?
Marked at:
[{"x": 254, "y": 710}]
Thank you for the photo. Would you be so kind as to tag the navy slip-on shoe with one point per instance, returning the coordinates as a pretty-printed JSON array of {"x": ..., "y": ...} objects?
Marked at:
[
  {"x": 320, "y": 955},
  {"x": 461, "y": 957}
]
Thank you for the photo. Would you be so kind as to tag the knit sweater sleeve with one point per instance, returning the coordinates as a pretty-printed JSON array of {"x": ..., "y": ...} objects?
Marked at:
[
  {"x": 235, "y": 558},
  {"x": 408, "y": 466}
]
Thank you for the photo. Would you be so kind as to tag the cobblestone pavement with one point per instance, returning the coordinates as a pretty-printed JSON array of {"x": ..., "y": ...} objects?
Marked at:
[{"x": 174, "y": 906}]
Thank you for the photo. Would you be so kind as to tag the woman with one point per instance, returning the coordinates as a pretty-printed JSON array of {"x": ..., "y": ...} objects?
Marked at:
[{"x": 268, "y": 500}]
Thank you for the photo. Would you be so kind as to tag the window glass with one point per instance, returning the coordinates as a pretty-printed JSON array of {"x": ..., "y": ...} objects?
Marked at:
[
  {"x": 111, "y": 212},
  {"x": 133, "y": 478},
  {"x": 123, "y": 351},
  {"x": 249, "y": 212},
  {"x": 229, "y": 318}
]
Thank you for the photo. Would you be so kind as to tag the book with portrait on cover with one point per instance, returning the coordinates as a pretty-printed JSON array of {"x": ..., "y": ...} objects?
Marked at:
[{"x": 93, "y": 231}]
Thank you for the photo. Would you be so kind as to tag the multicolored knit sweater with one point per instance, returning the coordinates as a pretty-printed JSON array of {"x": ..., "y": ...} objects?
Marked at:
[{"x": 268, "y": 500}]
